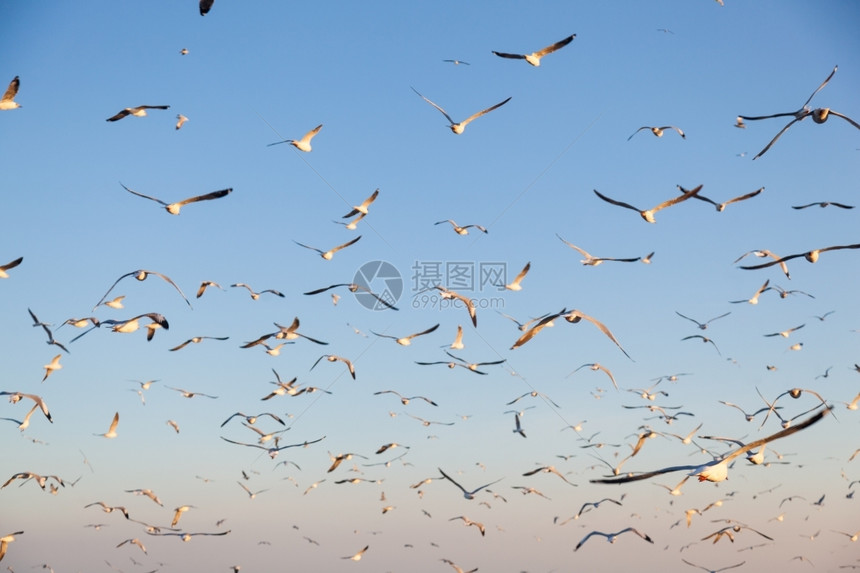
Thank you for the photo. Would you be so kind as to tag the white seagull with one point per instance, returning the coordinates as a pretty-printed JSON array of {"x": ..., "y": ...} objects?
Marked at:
[
  {"x": 458, "y": 128},
  {"x": 362, "y": 209},
  {"x": 535, "y": 57},
  {"x": 333, "y": 358},
  {"x": 141, "y": 275},
  {"x": 717, "y": 470},
  {"x": 658, "y": 131},
  {"x": 464, "y": 230},
  {"x": 407, "y": 340},
  {"x": 173, "y": 208},
  {"x": 139, "y": 111},
  {"x": 648, "y": 214},
  {"x": 327, "y": 255},
  {"x": 111, "y": 433},
  {"x": 611, "y": 537},
  {"x": 467, "y": 494},
  {"x": 303, "y": 144}
]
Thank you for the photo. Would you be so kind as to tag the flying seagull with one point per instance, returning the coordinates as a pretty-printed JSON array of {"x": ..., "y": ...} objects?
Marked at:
[
  {"x": 458, "y": 128},
  {"x": 515, "y": 284},
  {"x": 811, "y": 256},
  {"x": 535, "y": 57},
  {"x": 180, "y": 121},
  {"x": 256, "y": 295},
  {"x": 197, "y": 340},
  {"x": 537, "y": 327},
  {"x": 327, "y": 255},
  {"x": 762, "y": 253},
  {"x": 702, "y": 325},
  {"x": 575, "y": 316},
  {"x": 8, "y": 100},
  {"x": 139, "y": 111},
  {"x": 6, "y": 540},
  {"x": 721, "y": 206},
  {"x": 658, "y": 131},
  {"x": 467, "y": 494},
  {"x": 363, "y": 207},
  {"x": 407, "y": 340},
  {"x": 173, "y": 208},
  {"x": 819, "y": 115},
  {"x": 141, "y": 275},
  {"x": 111, "y": 433},
  {"x": 303, "y": 144},
  {"x": 353, "y": 287},
  {"x": 464, "y": 230},
  {"x": 648, "y": 214},
  {"x": 823, "y": 204},
  {"x": 593, "y": 261},
  {"x": 467, "y": 302},
  {"x": 273, "y": 451},
  {"x": 333, "y": 358},
  {"x": 611, "y": 537},
  {"x": 717, "y": 469}
]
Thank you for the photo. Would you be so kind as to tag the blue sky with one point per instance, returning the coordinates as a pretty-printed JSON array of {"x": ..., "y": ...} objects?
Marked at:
[{"x": 261, "y": 72}]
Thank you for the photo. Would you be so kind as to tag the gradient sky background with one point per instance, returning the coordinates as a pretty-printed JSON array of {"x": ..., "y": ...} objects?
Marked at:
[{"x": 258, "y": 72}]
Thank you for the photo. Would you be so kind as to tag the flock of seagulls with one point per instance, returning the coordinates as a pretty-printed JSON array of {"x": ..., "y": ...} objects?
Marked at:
[{"x": 265, "y": 432}]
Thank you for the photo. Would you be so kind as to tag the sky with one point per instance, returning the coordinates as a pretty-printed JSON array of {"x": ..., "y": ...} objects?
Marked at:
[{"x": 257, "y": 73}]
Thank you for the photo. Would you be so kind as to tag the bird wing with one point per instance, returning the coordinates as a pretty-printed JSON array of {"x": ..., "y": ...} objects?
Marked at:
[
  {"x": 119, "y": 115},
  {"x": 306, "y": 138},
  {"x": 12, "y": 90},
  {"x": 308, "y": 247},
  {"x": 558, "y": 45},
  {"x": 602, "y": 328},
  {"x": 637, "y": 131},
  {"x": 205, "y": 197},
  {"x": 778, "y": 261},
  {"x": 678, "y": 199},
  {"x": 181, "y": 346},
  {"x": 205, "y": 6},
  {"x": 572, "y": 246},
  {"x": 12, "y": 265},
  {"x": 482, "y": 112},
  {"x": 114, "y": 423},
  {"x": 819, "y": 88},
  {"x": 346, "y": 244},
  {"x": 132, "y": 273},
  {"x": 522, "y": 274},
  {"x": 797, "y": 118},
  {"x": 744, "y": 197},
  {"x": 510, "y": 56},
  {"x": 678, "y": 129},
  {"x": 846, "y": 118},
  {"x": 169, "y": 280},
  {"x": 614, "y": 202},
  {"x": 448, "y": 117},
  {"x": 428, "y": 331}
]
